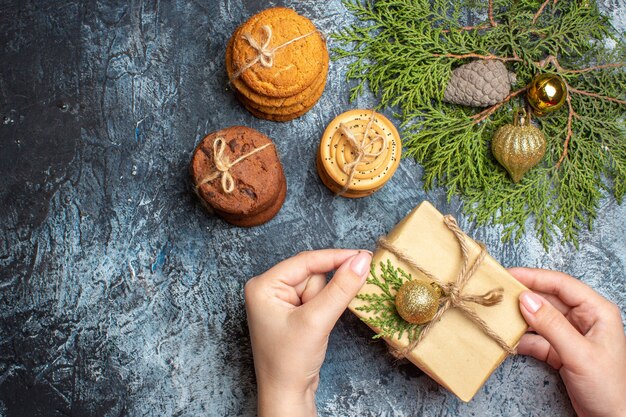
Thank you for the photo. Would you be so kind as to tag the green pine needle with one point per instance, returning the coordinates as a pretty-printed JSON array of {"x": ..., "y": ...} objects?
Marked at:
[
  {"x": 386, "y": 317},
  {"x": 402, "y": 50}
]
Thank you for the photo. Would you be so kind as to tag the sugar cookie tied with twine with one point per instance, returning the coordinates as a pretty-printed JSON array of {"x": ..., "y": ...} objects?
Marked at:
[
  {"x": 238, "y": 176},
  {"x": 277, "y": 64},
  {"x": 359, "y": 152}
]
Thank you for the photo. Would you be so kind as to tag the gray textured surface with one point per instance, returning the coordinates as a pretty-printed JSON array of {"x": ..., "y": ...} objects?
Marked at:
[{"x": 120, "y": 296}]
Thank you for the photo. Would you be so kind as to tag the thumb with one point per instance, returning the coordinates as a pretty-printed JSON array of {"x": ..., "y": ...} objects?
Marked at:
[
  {"x": 550, "y": 323},
  {"x": 330, "y": 303}
]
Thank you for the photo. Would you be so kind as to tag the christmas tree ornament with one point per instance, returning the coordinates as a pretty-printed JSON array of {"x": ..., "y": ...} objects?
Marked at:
[
  {"x": 519, "y": 146},
  {"x": 546, "y": 93},
  {"x": 417, "y": 301},
  {"x": 480, "y": 83}
]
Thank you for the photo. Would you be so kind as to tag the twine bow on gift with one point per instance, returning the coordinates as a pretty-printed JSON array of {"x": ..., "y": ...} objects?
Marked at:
[
  {"x": 360, "y": 149},
  {"x": 223, "y": 165},
  {"x": 453, "y": 291},
  {"x": 265, "y": 54}
]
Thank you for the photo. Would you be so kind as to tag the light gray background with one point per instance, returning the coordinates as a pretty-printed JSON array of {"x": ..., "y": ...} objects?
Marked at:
[{"x": 120, "y": 296}]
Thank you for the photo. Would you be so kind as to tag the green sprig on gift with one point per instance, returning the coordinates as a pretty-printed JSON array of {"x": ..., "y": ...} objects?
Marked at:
[
  {"x": 405, "y": 51},
  {"x": 385, "y": 316}
]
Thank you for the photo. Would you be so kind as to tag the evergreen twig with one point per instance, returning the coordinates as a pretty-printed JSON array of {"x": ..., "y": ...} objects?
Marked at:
[
  {"x": 479, "y": 117},
  {"x": 478, "y": 56},
  {"x": 385, "y": 317},
  {"x": 543, "y": 6},
  {"x": 492, "y": 21},
  {"x": 404, "y": 52}
]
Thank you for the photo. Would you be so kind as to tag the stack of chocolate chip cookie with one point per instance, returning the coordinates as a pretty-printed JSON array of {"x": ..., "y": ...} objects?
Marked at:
[
  {"x": 238, "y": 176},
  {"x": 277, "y": 63}
]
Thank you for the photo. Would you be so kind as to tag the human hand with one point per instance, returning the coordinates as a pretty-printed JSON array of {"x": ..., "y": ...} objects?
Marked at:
[
  {"x": 580, "y": 334},
  {"x": 291, "y": 312}
]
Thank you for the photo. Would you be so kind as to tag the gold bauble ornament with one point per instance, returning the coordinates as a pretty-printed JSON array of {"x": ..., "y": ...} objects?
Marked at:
[
  {"x": 546, "y": 93},
  {"x": 518, "y": 146},
  {"x": 418, "y": 301}
]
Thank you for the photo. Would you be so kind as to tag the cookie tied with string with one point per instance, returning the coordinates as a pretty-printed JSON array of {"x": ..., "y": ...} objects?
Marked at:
[
  {"x": 277, "y": 64},
  {"x": 359, "y": 152},
  {"x": 237, "y": 174}
]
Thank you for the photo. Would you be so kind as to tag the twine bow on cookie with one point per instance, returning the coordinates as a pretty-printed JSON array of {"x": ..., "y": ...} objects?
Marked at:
[
  {"x": 265, "y": 54},
  {"x": 453, "y": 291},
  {"x": 223, "y": 164},
  {"x": 360, "y": 149}
]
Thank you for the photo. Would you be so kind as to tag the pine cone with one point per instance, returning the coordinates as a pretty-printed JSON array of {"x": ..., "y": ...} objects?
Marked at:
[{"x": 479, "y": 83}]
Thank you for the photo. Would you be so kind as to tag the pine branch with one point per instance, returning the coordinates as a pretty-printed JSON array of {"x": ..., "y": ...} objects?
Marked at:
[
  {"x": 601, "y": 97},
  {"x": 479, "y": 117},
  {"x": 478, "y": 56},
  {"x": 478, "y": 27},
  {"x": 570, "y": 117},
  {"x": 552, "y": 60},
  {"x": 541, "y": 9},
  {"x": 404, "y": 53},
  {"x": 385, "y": 316},
  {"x": 492, "y": 21}
]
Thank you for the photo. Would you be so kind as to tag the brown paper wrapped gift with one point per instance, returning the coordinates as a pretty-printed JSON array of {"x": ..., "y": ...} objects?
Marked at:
[{"x": 455, "y": 351}]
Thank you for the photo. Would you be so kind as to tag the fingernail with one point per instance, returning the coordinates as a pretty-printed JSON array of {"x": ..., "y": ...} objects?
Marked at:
[
  {"x": 360, "y": 264},
  {"x": 530, "y": 301}
]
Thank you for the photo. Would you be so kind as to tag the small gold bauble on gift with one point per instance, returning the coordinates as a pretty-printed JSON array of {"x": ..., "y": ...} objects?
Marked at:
[
  {"x": 546, "y": 93},
  {"x": 418, "y": 301},
  {"x": 518, "y": 146}
]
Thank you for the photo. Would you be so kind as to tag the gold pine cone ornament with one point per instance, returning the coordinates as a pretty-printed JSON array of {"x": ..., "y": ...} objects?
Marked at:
[
  {"x": 418, "y": 301},
  {"x": 519, "y": 146}
]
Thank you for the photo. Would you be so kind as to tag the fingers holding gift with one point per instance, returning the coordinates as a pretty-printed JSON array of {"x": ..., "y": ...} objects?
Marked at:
[
  {"x": 539, "y": 348},
  {"x": 301, "y": 293},
  {"x": 328, "y": 305},
  {"x": 580, "y": 304},
  {"x": 568, "y": 289},
  {"x": 299, "y": 268},
  {"x": 312, "y": 287},
  {"x": 548, "y": 322},
  {"x": 556, "y": 302}
]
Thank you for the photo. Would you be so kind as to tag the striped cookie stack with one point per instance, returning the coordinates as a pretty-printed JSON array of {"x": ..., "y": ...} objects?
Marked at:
[
  {"x": 277, "y": 63},
  {"x": 359, "y": 152}
]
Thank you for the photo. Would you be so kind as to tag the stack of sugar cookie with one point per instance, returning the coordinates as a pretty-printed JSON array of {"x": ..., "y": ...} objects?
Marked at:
[
  {"x": 277, "y": 63},
  {"x": 359, "y": 152},
  {"x": 238, "y": 176}
]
